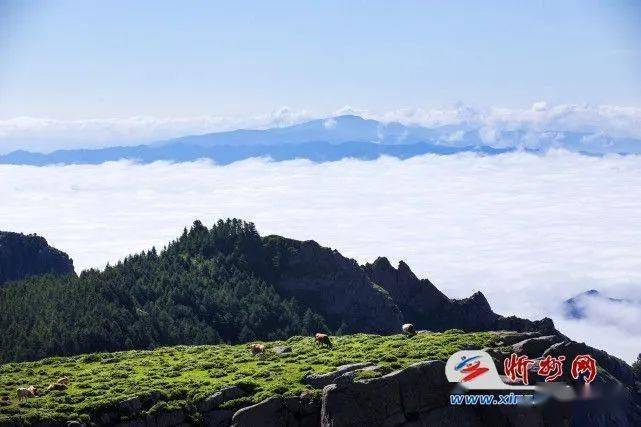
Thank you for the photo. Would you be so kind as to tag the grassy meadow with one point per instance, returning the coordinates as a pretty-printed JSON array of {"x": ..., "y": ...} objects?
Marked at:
[{"x": 180, "y": 376}]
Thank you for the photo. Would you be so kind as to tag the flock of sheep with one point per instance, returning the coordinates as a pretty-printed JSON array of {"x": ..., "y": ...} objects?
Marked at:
[
  {"x": 256, "y": 349},
  {"x": 24, "y": 393},
  {"x": 323, "y": 340}
]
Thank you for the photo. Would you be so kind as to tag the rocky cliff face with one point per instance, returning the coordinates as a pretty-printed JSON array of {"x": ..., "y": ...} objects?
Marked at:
[
  {"x": 377, "y": 297},
  {"x": 419, "y": 300},
  {"x": 336, "y": 287},
  {"x": 423, "y": 304},
  {"x": 28, "y": 255}
]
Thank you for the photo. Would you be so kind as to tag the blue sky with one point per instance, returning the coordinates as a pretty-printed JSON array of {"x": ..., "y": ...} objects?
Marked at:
[{"x": 78, "y": 60}]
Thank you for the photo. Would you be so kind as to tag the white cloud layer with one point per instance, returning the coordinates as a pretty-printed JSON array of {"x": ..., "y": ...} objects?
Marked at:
[
  {"x": 529, "y": 231},
  {"x": 45, "y": 134}
]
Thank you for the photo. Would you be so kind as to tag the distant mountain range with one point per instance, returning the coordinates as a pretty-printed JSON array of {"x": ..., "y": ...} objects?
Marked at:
[
  {"x": 575, "y": 307},
  {"x": 334, "y": 139}
]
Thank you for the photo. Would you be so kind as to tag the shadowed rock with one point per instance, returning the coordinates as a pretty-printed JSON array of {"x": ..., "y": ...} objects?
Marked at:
[
  {"x": 321, "y": 380},
  {"x": 615, "y": 366},
  {"x": 534, "y": 347},
  {"x": 276, "y": 411},
  {"x": 223, "y": 395}
]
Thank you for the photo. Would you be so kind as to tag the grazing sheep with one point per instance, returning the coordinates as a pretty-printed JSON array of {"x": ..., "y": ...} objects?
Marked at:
[
  {"x": 24, "y": 393},
  {"x": 257, "y": 349},
  {"x": 57, "y": 386},
  {"x": 4, "y": 400},
  {"x": 63, "y": 380},
  {"x": 33, "y": 390},
  {"x": 322, "y": 339},
  {"x": 408, "y": 329}
]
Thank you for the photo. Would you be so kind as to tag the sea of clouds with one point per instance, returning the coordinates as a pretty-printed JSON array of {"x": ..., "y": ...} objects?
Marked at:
[{"x": 529, "y": 231}]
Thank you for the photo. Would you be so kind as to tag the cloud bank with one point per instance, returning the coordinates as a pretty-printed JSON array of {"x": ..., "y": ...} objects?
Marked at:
[
  {"x": 540, "y": 119},
  {"x": 528, "y": 231}
]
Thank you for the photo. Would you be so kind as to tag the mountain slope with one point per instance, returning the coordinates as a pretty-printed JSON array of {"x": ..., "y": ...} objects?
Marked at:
[
  {"x": 23, "y": 255},
  {"x": 227, "y": 284}
]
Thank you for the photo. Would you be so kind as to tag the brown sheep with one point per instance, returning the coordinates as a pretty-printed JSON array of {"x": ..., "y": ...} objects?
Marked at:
[
  {"x": 4, "y": 400},
  {"x": 323, "y": 340},
  {"x": 257, "y": 349},
  {"x": 24, "y": 393},
  {"x": 408, "y": 329}
]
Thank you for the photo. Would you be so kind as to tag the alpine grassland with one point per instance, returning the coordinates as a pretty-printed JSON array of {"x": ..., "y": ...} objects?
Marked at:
[{"x": 181, "y": 376}]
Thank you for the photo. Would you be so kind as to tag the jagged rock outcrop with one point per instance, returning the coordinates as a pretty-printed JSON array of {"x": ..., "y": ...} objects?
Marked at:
[
  {"x": 334, "y": 286},
  {"x": 377, "y": 297},
  {"x": 24, "y": 255},
  {"x": 423, "y": 304},
  {"x": 417, "y": 299}
]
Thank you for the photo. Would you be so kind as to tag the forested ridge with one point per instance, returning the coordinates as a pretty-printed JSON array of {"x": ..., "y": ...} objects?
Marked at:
[
  {"x": 24, "y": 255},
  {"x": 208, "y": 286},
  {"x": 228, "y": 284}
]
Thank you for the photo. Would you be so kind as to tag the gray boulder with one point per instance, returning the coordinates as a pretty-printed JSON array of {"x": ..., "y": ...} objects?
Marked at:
[
  {"x": 393, "y": 399},
  {"x": 322, "y": 380},
  {"x": 534, "y": 347},
  {"x": 270, "y": 412},
  {"x": 293, "y": 411},
  {"x": 423, "y": 386},
  {"x": 221, "y": 396}
]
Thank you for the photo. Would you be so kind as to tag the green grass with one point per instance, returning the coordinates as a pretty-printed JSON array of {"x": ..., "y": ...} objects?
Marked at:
[{"x": 183, "y": 375}]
